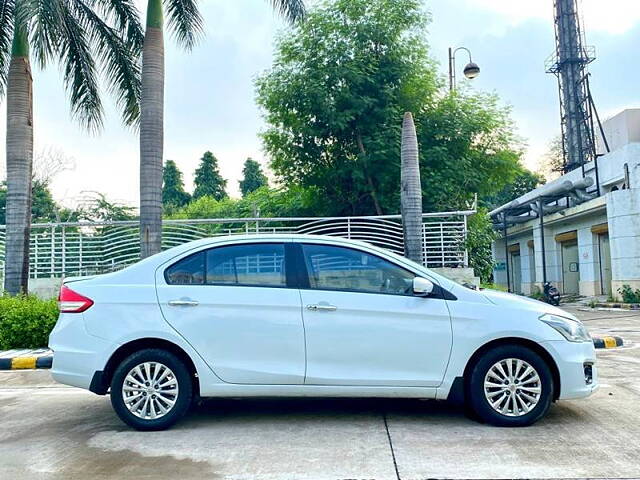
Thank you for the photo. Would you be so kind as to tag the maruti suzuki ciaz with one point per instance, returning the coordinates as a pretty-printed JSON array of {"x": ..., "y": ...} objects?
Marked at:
[{"x": 301, "y": 315}]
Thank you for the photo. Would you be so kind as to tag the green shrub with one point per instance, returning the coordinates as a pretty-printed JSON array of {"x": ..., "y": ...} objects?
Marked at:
[
  {"x": 537, "y": 294},
  {"x": 480, "y": 235},
  {"x": 493, "y": 286},
  {"x": 629, "y": 295},
  {"x": 26, "y": 321}
]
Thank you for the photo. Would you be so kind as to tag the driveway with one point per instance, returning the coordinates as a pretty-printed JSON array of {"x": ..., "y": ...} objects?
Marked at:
[{"x": 49, "y": 431}]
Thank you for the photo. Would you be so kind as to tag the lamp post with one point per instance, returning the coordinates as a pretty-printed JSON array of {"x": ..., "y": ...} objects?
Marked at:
[{"x": 471, "y": 70}]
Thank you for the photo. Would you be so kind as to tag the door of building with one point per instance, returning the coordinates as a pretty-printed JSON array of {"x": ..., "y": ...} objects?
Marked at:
[
  {"x": 570, "y": 267},
  {"x": 516, "y": 272},
  {"x": 532, "y": 266},
  {"x": 605, "y": 263}
]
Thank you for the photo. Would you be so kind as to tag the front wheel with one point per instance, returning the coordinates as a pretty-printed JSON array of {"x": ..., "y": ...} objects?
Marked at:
[
  {"x": 511, "y": 386},
  {"x": 151, "y": 390}
]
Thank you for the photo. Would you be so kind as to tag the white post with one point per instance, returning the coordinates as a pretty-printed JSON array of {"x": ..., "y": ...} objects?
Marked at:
[
  {"x": 53, "y": 252},
  {"x": 442, "y": 244},
  {"x": 80, "y": 251},
  {"x": 64, "y": 251},
  {"x": 464, "y": 237}
]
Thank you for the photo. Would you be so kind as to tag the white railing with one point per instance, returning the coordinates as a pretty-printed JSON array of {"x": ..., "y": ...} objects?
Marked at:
[{"x": 62, "y": 249}]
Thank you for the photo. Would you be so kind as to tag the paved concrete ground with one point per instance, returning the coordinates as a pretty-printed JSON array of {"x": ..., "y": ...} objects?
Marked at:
[{"x": 49, "y": 431}]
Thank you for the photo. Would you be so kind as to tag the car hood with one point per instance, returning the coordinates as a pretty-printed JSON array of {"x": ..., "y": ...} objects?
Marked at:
[{"x": 511, "y": 300}]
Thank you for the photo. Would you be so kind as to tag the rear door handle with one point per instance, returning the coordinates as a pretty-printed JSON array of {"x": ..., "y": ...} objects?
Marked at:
[
  {"x": 183, "y": 303},
  {"x": 322, "y": 307}
]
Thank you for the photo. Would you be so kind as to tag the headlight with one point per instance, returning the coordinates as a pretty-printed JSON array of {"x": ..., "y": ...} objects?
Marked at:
[{"x": 572, "y": 330}]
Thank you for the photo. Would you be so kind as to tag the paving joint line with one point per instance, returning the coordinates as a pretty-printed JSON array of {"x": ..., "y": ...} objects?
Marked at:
[{"x": 393, "y": 453}]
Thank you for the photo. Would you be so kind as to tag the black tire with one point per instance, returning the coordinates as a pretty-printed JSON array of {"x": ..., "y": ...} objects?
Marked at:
[
  {"x": 476, "y": 392},
  {"x": 182, "y": 398}
]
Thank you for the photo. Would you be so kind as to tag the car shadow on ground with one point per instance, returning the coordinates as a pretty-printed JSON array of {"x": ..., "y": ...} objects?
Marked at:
[
  {"x": 319, "y": 407},
  {"x": 260, "y": 410}
]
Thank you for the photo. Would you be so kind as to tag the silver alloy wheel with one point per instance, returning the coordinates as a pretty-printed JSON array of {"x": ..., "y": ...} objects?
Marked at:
[
  {"x": 512, "y": 387},
  {"x": 150, "y": 390}
]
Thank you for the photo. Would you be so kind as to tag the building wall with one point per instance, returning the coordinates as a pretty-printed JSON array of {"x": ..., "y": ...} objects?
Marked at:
[
  {"x": 624, "y": 236},
  {"x": 616, "y": 212},
  {"x": 580, "y": 219}
]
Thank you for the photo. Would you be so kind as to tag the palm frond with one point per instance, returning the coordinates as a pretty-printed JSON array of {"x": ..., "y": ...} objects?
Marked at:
[
  {"x": 7, "y": 10},
  {"x": 119, "y": 60},
  {"x": 80, "y": 77},
  {"x": 292, "y": 10},
  {"x": 185, "y": 21},
  {"x": 124, "y": 16},
  {"x": 44, "y": 18}
]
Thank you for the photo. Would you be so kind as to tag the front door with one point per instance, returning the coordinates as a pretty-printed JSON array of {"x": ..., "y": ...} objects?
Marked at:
[
  {"x": 516, "y": 273},
  {"x": 364, "y": 326},
  {"x": 233, "y": 304},
  {"x": 605, "y": 263},
  {"x": 570, "y": 267}
]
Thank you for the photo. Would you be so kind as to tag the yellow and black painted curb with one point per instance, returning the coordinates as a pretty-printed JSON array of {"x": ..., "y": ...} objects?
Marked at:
[
  {"x": 24, "y": 363},
  {"x": 607, "y": 342}
]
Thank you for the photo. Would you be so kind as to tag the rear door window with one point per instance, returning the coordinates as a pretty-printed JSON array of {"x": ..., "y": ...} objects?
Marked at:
[{"x": 261, "y": 265}]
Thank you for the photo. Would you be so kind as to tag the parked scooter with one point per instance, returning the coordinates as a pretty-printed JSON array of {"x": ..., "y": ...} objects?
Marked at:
[{"x": 551, "y": 294}]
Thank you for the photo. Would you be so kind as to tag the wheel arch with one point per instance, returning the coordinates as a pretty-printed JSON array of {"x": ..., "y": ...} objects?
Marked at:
[
  {"x": 102, "y": 380},
  {"x": 530, "y": 344}
]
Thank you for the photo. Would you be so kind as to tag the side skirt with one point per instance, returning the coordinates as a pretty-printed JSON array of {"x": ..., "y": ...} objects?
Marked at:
[{"x": 228, "y": 390}]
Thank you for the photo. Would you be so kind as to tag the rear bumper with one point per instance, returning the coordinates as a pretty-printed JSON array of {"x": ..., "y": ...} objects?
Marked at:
[
  {"x": 77, "y": 355},
  {"x": 571, "y": 359}
]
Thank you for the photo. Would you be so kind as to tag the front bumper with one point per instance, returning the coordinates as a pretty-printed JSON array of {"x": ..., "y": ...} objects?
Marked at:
[
  {"x": 77, "y": 355},
  {"x": 571, "y": 359}
]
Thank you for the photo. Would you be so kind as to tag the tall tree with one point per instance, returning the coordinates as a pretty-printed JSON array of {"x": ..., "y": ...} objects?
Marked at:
[
  {"x": 410, "y": 191},
  {"x": 43, "y": 207},
  {"x": 252, "y": 177},
  {"x": 208, "y": 180},
  {"x": 524, "y": 182},
  {"x": 186, "y": 23},
  {"x": 552, "y": 162},
  {"x": 339, "y": 83},
  {"x": 173, "y": 193},
  {"x": 80, "y": 35}
]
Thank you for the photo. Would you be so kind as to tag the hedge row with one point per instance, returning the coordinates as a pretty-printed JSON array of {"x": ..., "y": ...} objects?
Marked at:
[{"x": 26, "y": 321}]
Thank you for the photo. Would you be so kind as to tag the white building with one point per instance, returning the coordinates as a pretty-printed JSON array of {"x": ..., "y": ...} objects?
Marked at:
[{"x": 588, "y": 239}]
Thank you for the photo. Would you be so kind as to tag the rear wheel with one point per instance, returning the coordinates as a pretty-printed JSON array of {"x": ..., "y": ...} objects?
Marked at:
[
  {"x": 151, "y": 390},
  {"x": 511, "y": 386}
]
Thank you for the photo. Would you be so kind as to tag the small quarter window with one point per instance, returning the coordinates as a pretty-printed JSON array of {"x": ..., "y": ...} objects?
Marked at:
[{"x": 188, "y": 271}]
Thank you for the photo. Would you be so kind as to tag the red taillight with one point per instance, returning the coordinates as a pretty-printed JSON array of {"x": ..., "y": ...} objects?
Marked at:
[{"x": 72, "y": 302}]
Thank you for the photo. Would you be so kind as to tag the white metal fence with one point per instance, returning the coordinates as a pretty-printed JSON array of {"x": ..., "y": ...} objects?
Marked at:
[{"x": 62, "y": 249}]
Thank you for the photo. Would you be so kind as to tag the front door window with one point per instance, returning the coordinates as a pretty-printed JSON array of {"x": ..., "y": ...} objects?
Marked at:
[{"x": 337, "y": 268}]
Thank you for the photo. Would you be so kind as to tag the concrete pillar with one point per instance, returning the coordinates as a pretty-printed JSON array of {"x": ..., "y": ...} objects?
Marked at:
[
  {"x": 589, "y": 265},
  {"x": 552, "y": 254},
  {"x": 528, "y": 276},
  {"x": 623, "y": 212},
  {"x": 499, "y": 269}
]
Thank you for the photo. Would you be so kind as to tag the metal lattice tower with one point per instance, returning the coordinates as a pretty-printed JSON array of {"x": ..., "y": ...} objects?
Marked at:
[{"x": 569, "y": 64}]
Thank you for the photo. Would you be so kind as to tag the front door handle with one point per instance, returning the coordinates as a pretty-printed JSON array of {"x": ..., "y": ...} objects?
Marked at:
[
  {"x": 183, "y": 303},
  {"x": 322, "y": 307}
]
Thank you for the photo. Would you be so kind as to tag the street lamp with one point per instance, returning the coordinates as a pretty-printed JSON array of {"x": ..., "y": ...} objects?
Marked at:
[{"x": 471, "y": 70}]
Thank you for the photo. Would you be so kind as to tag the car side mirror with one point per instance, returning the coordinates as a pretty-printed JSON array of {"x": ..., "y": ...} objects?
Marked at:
[{"x": 422, "y": 287}]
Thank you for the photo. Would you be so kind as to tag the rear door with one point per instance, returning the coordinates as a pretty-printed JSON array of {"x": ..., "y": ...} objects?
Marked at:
[
  {"x": 364, "y": 326},
  {"x": 235, "y": 305}
]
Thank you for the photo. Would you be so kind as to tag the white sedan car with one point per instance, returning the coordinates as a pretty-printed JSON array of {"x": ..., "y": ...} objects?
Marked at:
[{"x": 300, "y": 315}]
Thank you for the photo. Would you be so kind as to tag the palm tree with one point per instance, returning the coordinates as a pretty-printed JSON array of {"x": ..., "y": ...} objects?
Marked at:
[
  {"x": 79, "y": 35},
  {"x": 411, "y": 191},
  {"x": 186, "y": 23}
]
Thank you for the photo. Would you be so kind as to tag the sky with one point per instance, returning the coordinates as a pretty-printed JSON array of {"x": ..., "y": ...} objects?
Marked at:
[{"x": 210, "y": 96}]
